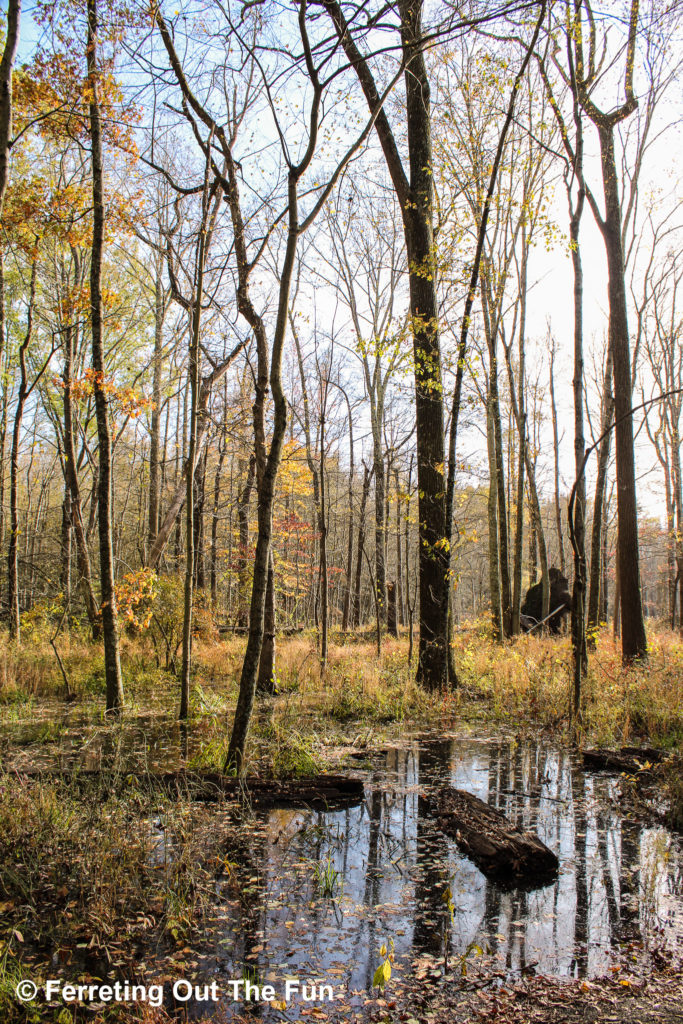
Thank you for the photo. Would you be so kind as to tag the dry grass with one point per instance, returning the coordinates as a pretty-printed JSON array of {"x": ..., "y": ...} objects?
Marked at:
[
  {"x": 530, "y": 679},
  {"x": 526, "y": 681}
]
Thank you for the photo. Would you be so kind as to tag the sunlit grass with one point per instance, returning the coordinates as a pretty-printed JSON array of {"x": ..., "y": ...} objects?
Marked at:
[{"x": 525, "y": 683}]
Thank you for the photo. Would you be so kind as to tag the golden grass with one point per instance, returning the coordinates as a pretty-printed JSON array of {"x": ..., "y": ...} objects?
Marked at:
[{"x": 523, "y": 683}]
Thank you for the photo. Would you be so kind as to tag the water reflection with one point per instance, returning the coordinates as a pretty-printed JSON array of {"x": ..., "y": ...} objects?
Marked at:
[
  {"x": 616, "y": 879},
  {"x": 320, "y": 892}
]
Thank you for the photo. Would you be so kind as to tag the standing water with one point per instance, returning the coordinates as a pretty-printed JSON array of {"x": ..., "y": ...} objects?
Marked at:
[{"x": 328, "y": 890}]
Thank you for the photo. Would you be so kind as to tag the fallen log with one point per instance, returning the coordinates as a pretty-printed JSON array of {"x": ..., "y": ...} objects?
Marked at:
[
  {"x": 499, "y": 849},
  {"x": 627, "y": 759},
  {"x": 322, "y": 792}
]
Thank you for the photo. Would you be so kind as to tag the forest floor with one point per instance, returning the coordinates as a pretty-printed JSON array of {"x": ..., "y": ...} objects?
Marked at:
[{"x": 69, "y": 884}]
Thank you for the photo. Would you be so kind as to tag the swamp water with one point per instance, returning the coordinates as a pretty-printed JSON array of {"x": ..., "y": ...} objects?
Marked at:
[
  {"x": 329, "y": 889},
  {"x": 319, "y": 893}
]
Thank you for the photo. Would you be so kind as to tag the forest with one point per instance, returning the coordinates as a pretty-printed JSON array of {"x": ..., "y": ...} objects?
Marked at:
[{"x": 341, "y": 511}]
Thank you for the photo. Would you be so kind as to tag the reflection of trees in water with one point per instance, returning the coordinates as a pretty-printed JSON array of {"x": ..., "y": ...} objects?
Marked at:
[
  {"x": 661, "y": 883},
  {"x": 388, "y": 834},
  {"x": 371, "y": 896},
  {"x": 432, "y": 925},
  {"x": 390, "y": 850},
  {"x": 578, "y": 805},
  {"x": 629, "y": 876},
  {"x": 248, "y": 849}
]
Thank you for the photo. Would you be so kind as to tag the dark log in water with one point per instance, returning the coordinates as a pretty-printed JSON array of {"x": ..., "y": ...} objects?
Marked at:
[
  {"x": 627, "y": 759},
  {"x": 500, "y": 850},
  {"x": 320, "y": 792}
]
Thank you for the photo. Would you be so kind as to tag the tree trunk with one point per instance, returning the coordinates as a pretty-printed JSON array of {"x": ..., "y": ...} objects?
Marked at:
[
  {"x": 110, "y": 628},
  {"x": 634, "y": 640},
  {"x": 6, "y": 68},
  {"x": 65, "y": 549},
  {"x": 267, "y": 469},
  {"x": 266, "y": 669},
  {"x": 392, "y": 621},
  {"x": 199, "y": 505},
  {"x": 243, "y": 534},
  {"x": 12, "y": 556},
  {"x": 349, "y": 550},
  {"x": 322, "y": 527},
  {"x": 533, "y": 543},
  {"x": 155, "y": 427},
  {"x": 494, "y": 561},
  {"x": 216, "y": 508},
  {"x": 598, "y": 541},
  {"x": 416, "y": 200},
  {"x": 556, "y": 436},
  {"x": 70, "y": 469},
  {"x": 367, "y": 476},
  {"x": 578, "y": 624},
  {"x": 498, "y": 466},
  {"x": 617, "y": 593},
  {"x": 400, "y": 611},
  {"x": 380, "y": 534},
  {"x": 518, "y": 556}
]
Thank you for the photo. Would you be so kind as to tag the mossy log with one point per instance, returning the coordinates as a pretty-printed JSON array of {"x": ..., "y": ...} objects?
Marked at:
[
  {"x": 499, "y": 849},
  {"x": 320, "y": 792}
]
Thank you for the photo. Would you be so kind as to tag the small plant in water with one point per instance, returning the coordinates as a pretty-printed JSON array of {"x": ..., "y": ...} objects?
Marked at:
[
  {"x": 251, "y": 976},
  {"x": 327, "y": 879},
  {"x": 472, "y": 950},
  {"x": 383, "y": 972}
]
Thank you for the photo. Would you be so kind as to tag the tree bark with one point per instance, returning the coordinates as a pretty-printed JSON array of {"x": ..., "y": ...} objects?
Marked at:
[
  {"x": 243, "y": 543},
  {"x": 110, "y": 628},
  {"x": 266, "y": 670},
  {"x": 155, "y": 426},
  {"x": 556, "y": 444},
  {"x": 70, "y": 469},
  {"x": 367, "y": 476},
  {"x": 595, "y": 604},
  {"x": 494, "y": 561},
  {"x": 349, "y": 551},
  {"x": 578, "y": 617},
  {"x": 65, "y": 548},
  {"x": 215, "y": 517},
  {"x": 400, "y": 611},
  {"x": 634, "y": 640},
  {"x": 12, "y": 555},
  {"x": 6, "y": 67},
  {"x": 415, "y": 196}
]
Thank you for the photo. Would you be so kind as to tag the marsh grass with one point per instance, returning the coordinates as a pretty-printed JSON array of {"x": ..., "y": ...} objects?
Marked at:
[
  {"x": 93, "y": 873},
  {"x": 523, "y": 684}
]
